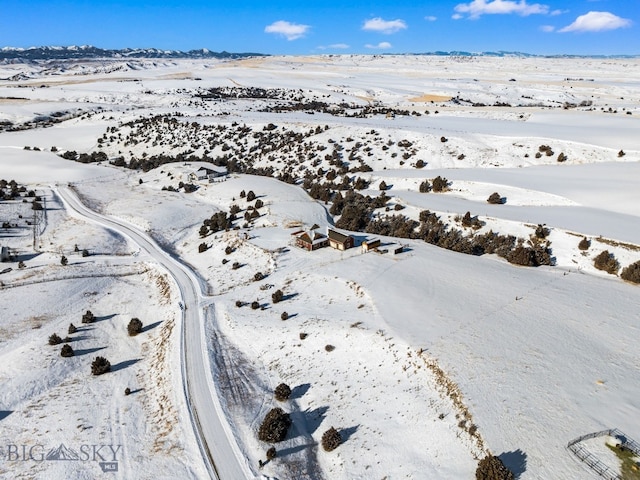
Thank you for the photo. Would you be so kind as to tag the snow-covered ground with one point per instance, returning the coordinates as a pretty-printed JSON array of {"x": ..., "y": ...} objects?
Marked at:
[{"x": 437, "y": 357}]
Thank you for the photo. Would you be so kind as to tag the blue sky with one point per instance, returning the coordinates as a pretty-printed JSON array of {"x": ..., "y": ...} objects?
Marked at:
[{"x": 331, "y": 26}]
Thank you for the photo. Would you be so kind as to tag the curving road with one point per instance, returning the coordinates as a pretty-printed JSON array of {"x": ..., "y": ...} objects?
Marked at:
[{"x": 219, "y": 449}]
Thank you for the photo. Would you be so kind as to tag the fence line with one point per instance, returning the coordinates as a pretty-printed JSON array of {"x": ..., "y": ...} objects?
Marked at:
[
  {"x": 627, "y": 442},
  {"x": 589, "y": 436},
  {"x": 592, "y": 461}
]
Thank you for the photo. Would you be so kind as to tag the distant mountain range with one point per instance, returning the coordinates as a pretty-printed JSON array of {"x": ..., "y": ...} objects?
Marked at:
[
  {"x": 518, "y": 54},
  {"x": 88, "y": 51}
]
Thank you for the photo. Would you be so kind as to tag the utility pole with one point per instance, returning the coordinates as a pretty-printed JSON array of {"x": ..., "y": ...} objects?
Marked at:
[
  {"x": 34, "y": 223},
  {"x": 37, "y": 220}
]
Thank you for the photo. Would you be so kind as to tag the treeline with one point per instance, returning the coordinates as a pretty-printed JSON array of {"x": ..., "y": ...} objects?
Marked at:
[{"x": 357, "y": 214}]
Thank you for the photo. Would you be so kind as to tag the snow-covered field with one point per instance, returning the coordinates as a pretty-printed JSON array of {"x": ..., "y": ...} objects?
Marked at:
[{"x": 424, "y": 361}]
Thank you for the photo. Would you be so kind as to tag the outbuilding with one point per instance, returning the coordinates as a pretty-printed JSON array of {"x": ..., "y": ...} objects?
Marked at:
[
  {"x": 339, "y": 241},
  {"x": 310, "y": 240},
  {"x": 212, "y": 173},
  {"x": 369, "y": 245}
]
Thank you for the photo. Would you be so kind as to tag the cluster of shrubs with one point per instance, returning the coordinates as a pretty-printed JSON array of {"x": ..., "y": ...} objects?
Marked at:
[
  {"x": 341, "y": 110},
  {"x": 88, "y": 317},
  {"x": 277, "y": 296},
  {"x": 237, "y": 156},
  {"x": 218, "y": 93},
  {"x": 84, "y": 252},
  {"x": 393, "y": 226},
  {"x": 631, "y": 273},
  {"x": 271, "y": 453},
  {"x": 217, "y": 222},
  {"x": 331, "y": 439},
  {"x": 100, "y": 366},
  {"x": 492, "y": 468},
  {"x": 134, "y": 327},
  {"x": 438, "y": 184},
  {"x": 282, "y": 392},
  {"x": 324, "y": 191},
  {"x": 249, "y": 197},
  {"x": 584, "y": 244},
  {"x": 277, "y": 422},
  {"x": 357, "y": 215},
  {"x": 542, "y": 232},
  {"x": 55, "y": 339},
  {"x": 356, "y": 209},
  {"x": 495, "y": 199},
  {"x": 607, "y": 262},
  {"x": 13, "y": 189},
  {"x": 275, "y": 426},
  {"x": 67, "y": 351},
  {"x": 252, "y": 212},
  {"x": 531, "y": 255},
  {"x": 471, "y": 222},
  {"x": 546, "y": 149},
  {"x": 93, "y": 157}
]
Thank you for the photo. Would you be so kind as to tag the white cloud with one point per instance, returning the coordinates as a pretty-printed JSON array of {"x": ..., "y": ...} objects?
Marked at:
[
  {"x": 476, "y": 8},
  {"x": 430, "y": 18},
  {"x": 334, "y": 46},
  {"x": 456, "y": 16},
  {"x": 548, "y": 28},
  {"x": 384, "y": 26},
  {"x": 597, "y": 22},
  {"x": 380, "y": 46},
  {"x": 291, "y": 31}
]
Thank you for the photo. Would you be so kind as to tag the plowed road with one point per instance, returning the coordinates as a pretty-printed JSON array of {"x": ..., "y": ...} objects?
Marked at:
[{"x": 219, "y": 449}]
